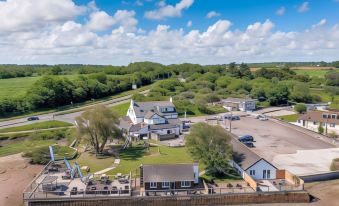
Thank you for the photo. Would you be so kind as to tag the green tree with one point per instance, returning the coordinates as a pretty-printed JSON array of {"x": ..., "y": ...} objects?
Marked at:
[
  {"x": 212, "y": 146},
  {"x": 320, "y": 129},
  {"x": 97, "y": 125},
  {"x": 300, "y": 108},
  {"x": 56, "y": 70}
]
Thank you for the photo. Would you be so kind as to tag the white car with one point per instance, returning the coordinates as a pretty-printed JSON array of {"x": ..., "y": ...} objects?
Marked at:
[{"x": 262, "y": 118}]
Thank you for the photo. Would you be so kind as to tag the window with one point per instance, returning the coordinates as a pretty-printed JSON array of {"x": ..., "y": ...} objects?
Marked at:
[
  {"x": 264, "y": 174},
  {"x": 268, "y": 174},
  {"x": 168, "y": 131},
  {"x": 252, "y": 172},
  {"x": 185, "y": 184},
  {"x": 334, "y": 116},
  {"x": 165, "y": 185},
  {"x": 153, "y": 185},
  {"x": 325, "y": 116},
  {"x": 332, "y": 125},
  {"x": 315, "y": 123}
]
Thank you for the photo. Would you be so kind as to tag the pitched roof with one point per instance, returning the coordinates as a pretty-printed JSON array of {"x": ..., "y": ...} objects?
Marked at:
[
  {"x": 141, "y": 108},
  {"x": 317, "y": 116},
  {"x": 238, "y": 100},
  {"x": 243, "y": 155},
  {"x": 168, "y": 172},
  {"x": 162, "y": 126}
]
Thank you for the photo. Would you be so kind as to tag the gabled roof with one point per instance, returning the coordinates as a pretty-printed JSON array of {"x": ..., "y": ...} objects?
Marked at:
[
  {"x": 238, "y": 100},
  {"x": 150, "y": 114},
  {"x": 168, "y": 172},
  {"x": 243, "y": 155},
  {"x": 141, "y": 108}
]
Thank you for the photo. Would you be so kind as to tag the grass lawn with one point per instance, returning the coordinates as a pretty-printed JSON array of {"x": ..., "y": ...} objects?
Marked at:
[
  {"x": 39, "y": 125},
  {"x": 95, "y": 164},
  {"x": 289, "y": 118},
  {"x": 313, "y": 72},
  {"x": 121, "y": 109},
  {"x": 132, "y": 158},
  {"x": 18, "y": 146}
]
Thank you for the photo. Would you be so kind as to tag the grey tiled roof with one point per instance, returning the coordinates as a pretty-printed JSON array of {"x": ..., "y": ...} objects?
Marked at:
[
  {"x": 141, "y": 108},
  {"x": 243, "y": 155},
  {"x": 168, "y": 172}
]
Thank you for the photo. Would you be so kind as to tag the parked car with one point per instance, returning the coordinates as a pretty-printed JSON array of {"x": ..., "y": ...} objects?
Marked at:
[
  {"x": 249, "y": 144},
  {"x": 246, "y": 138},
  {"x": 262, "y": 118},
  {"x": 236, "y": 117},
  {"x": 32, "y": 118}
]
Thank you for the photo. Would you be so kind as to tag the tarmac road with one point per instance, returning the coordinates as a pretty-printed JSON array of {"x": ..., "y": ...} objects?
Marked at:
[{"x": 70, "y": 117}]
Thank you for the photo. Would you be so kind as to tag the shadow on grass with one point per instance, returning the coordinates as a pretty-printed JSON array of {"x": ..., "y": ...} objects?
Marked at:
[{"x": 134, "y": 153}]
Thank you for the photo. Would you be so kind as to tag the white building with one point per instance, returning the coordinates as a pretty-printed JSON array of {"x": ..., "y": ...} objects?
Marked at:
[
  {"x": 156, "y": 119},
  {"x": 246, "y": 161},
  {"x": 239, "y": 104},
  {"x": 311, "y": 120}
]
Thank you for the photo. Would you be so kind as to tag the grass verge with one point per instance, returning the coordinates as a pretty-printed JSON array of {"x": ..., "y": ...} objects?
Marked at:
[
  {"x": 289, "y": 118},
  {"x": 39, "y": 125}
]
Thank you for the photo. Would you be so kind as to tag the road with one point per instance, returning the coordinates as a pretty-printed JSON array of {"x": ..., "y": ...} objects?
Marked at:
[{"x": 70, "y": 117}]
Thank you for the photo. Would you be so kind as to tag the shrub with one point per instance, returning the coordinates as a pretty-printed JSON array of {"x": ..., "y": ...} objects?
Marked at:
[
  {"x": 300, "y": 108},
  {"x": 321, "y": 129}
]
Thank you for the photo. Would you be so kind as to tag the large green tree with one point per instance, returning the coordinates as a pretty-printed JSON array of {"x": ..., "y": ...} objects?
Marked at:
[
  {"x": 98, "y": 125},
  {"x": 212, "y": 146}
]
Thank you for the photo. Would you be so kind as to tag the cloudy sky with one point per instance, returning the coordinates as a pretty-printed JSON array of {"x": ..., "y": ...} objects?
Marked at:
[{"x": 173, "y": 31}]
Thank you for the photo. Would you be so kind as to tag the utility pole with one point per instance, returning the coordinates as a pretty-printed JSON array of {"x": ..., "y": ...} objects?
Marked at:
[{"x": 231, "y": 121}]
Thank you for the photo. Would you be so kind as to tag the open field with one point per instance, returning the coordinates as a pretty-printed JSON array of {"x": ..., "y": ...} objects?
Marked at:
[
  {"x": 38, "y": 125},
  {"x": 313, "y": 72},
  {"x": 18, "y": 86}
]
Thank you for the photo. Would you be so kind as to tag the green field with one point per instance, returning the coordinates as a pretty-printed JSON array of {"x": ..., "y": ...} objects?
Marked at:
[
  {"x": 39, "y": 125},
  {"x": 312, "y": 72},
  {"x": 325, "y": 97},
  {"x": 18, "y": 86},
  {"x": 121, "y": 109}
]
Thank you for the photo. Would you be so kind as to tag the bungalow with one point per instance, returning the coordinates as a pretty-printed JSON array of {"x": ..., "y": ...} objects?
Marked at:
[
  {"x": 169, "y": 177},
  {"x": 247, "y": 161},
  {"x": 239, "y": 104},
  {"x": 157, "y": 120},
  {"x": 312, "y": 119}
]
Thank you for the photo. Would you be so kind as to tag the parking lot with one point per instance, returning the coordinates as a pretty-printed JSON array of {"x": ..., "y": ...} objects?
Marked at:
[{"x": 286, "y": 147}]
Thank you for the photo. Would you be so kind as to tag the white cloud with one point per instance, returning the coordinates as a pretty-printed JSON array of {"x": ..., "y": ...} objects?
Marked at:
[
  {"x": 67, "y": 41},
  {"x": 212, "y": 14},
  {"x": 23, "y": 15},
  {"x": 165, "y": 11},
  {"x": 138, "y": 3},
  {"x": 101, "y": 21},
  {"x": 189, "y": 23},
  {"x": 304, "y": 7},
  {"x": 281, "y": 11},
  {"x": 320, "y": 23}
]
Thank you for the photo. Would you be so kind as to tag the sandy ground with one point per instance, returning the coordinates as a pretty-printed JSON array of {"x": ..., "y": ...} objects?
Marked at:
[
  {"x": 15, "y": 174},
  {"x": 280, "y": 113}
]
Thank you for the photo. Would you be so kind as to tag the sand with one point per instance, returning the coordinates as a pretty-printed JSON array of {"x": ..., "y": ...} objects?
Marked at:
[{"x": 15, "y": 174}]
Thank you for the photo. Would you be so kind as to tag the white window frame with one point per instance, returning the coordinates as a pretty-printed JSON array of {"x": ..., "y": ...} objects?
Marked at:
[
  {"x": 165, "y": 184},
  {"x": 183, "y": 184},
  {"x": 152, "y": 185},
  {"x": 252, "y": 172}
]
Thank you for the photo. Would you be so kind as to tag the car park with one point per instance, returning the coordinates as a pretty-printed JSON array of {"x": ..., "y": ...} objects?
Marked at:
[
  {"x": 32, "y": 118},
  {"x": 246, "y": 138}
]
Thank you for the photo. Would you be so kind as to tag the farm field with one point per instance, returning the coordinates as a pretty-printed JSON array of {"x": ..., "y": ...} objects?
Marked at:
[
  {"x": 18, "y": 86},
  {"x": 313, "y": 73}
]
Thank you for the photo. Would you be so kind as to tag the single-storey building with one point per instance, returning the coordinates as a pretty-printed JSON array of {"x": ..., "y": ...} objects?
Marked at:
[
  {"x": 247, "y": 161},
  {"x": 311, "y": 120},
  {"x": 168, "y": 177},
  {"x": 239, "y": 104}
]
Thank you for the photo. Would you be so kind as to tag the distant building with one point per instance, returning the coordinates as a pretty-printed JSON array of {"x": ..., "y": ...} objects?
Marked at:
[
  {"x": 169, "y": 177},
  {"x": 239, "y": 104},
  {"x": 313, "y": 118},
  {"x": 157, "y": 120},
  {"x": 317, "y": 106}
]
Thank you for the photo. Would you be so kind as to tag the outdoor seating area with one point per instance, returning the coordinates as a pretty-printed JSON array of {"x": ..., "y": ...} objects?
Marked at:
[
  {"x": 231, "y": 187},
  {"x": 109, "y": 185}
]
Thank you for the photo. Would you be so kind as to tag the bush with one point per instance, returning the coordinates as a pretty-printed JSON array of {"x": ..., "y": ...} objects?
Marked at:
[
  {"x": 321, "y": 129},
  {"x": 300, "y": 108}
]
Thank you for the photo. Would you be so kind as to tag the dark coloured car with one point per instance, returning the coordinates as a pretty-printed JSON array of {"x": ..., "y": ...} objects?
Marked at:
[
  {"x": 246, "y": 138},
  {"x": 32, "y": 118},
  {"x": 249, "y": 144},
  {"x": 233, "y": 118}
]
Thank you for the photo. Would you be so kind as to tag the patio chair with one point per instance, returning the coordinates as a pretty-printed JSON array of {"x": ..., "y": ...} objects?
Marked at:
[{"x": 229, "y": 185}]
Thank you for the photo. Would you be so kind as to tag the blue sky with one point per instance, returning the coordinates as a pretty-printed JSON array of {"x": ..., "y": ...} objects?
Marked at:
[
  {"x": 240, "y": 12},
  {"x": 119, "y": 32}
]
